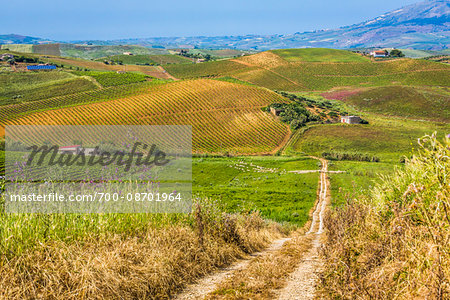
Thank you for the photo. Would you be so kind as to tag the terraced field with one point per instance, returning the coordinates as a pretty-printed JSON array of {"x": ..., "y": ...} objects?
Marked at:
[
  {"x": 143, "y": 59},
  {"x": 23, "y": 87},
  {"x": 153, "y": 71},
  {"x": 318, "y": 69},
  {"x": 386, "y": 138},
  {"x": 319, "y": 55},
  {"x": 114, "y": 79},
  {"x": 2, "y": 162},
  {"x": 410, "y": 102},
  {"x": 226, "y": 117}
]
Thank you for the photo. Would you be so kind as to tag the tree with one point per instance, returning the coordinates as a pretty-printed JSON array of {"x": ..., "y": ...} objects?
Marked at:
[
  {"x": 11, "y": 61},
  {"x": 396, "y": 53}
]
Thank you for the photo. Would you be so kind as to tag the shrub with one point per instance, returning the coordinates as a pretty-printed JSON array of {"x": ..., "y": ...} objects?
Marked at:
[
  {"x": 333, "y": 155},
  {"x": 393, "y": 244}
]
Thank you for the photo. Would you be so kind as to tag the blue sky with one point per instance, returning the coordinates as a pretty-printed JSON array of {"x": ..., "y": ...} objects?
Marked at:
[{"x": 94, "y": 19}]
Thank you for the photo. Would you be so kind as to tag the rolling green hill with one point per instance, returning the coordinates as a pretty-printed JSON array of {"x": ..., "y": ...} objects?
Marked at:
[
  {"x": 318, "y": 69},
  {"x": 388, "y": 139},
  {"x": 225, "y": 117},
  {"x": 98, "y": 51},
  {"x": 144, "y": 59},
  {"x": 410, "y": 102},
  {"x": 319, "y": 55},
  {"x": 23, "y": 87}
]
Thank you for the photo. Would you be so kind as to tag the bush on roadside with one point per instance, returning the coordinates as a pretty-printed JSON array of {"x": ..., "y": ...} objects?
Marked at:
[
  {"x": 333, "y": 155},
  {"x": 155, "y": 262},
  {"x": 394, "y": 244}
]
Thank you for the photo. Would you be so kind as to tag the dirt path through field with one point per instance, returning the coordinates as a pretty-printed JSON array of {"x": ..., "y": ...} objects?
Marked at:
[
  {"x": 209, "y": 283},
  {"x": 302, "y": 282},
  {"x": 164, "y": 71}
]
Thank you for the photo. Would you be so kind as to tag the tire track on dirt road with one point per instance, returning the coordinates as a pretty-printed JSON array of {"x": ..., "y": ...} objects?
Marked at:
[
  {"x": 302, "y": 282},
  {"x": 209, "y": 283}
]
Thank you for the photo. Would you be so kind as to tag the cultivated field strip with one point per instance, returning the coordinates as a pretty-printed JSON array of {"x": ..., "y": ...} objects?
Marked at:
[
  {"x": 272, "y": 71},
  {"x": 224, "y": 116}
]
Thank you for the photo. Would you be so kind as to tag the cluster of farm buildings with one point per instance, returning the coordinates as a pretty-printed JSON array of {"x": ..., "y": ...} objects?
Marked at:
[{"x": 6, "y": 57}]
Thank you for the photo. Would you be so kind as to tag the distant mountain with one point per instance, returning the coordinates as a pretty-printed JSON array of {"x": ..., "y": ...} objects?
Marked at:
[
  {"x": 20, "y": 39},
  {"x": 424, "y": 25}
]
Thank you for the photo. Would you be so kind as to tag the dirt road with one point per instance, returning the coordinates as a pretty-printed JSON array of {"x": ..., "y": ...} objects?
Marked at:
[
  {"x": 301, "y": 284},
  {"x": 209, "y": 283}
]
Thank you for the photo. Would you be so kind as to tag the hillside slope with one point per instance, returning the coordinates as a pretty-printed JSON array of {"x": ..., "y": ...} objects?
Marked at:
[
  {"x": 410, "y": 102},
  {"x": 226, "y": 117},
  {"x": 318, "y": 69}
]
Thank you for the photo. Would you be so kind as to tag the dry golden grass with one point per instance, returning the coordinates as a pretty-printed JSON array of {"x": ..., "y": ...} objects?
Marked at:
[
  {"x": 152, "y": 265},
  {"x": 265, "y": 273},
  {"x": 265, "y": 60},
  {"x": 394, "y": 245}
]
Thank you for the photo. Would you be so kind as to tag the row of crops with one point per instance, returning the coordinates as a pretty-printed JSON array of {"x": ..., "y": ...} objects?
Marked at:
[
  {"x": 2, "y": 162},
  {"x": 107, "y": 79},
  {"x": 225, "y": 117},
  {"x": 9, "y": 112},
  {"x": 145, "y": 59},
  {"x": 294, "y": 76},
  {"x": 208, "y": 69}
]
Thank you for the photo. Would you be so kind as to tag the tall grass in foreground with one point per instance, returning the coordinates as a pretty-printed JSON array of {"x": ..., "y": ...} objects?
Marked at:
[
  {"x": 122, "y": 256},
  {"x": 396, "y": 243}
]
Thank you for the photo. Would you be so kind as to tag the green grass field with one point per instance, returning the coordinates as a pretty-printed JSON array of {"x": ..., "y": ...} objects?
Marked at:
[
  {"x": 319, "y": 55},
  {"x": 359, "y": 178},
  {"x": 144, "y": 59},
  {"x": 207, "y": 69},
  {"x": 410, "y": 102},
  {"x": 170, "y": 59},
  {"x": 259, "y": 183},
  {"x": 24, "y": 87},
  {"x": 388, "y": 139},
  {"x": 24, "y": 48},
  {"x": 95, "y": 52},
  {"x": 107, "y": 79}
]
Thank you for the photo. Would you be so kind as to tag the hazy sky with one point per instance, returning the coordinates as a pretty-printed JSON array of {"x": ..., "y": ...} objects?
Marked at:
[{"x": 94, "y": 19}]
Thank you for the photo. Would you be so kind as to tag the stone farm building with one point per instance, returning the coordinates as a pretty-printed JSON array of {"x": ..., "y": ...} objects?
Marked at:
[
  {"x": 6, "y": 56},
  {"x": 75, "y": 149},
  {"x": 275, "y": 111},
  {"x": 350, "y": 119}
]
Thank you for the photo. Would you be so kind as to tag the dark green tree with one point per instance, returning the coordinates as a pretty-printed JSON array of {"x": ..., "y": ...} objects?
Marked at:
[{"x": 396, "y": 53}]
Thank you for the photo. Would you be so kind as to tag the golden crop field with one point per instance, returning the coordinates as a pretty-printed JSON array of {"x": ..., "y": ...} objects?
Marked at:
[{"x": 226, "y": 117}]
